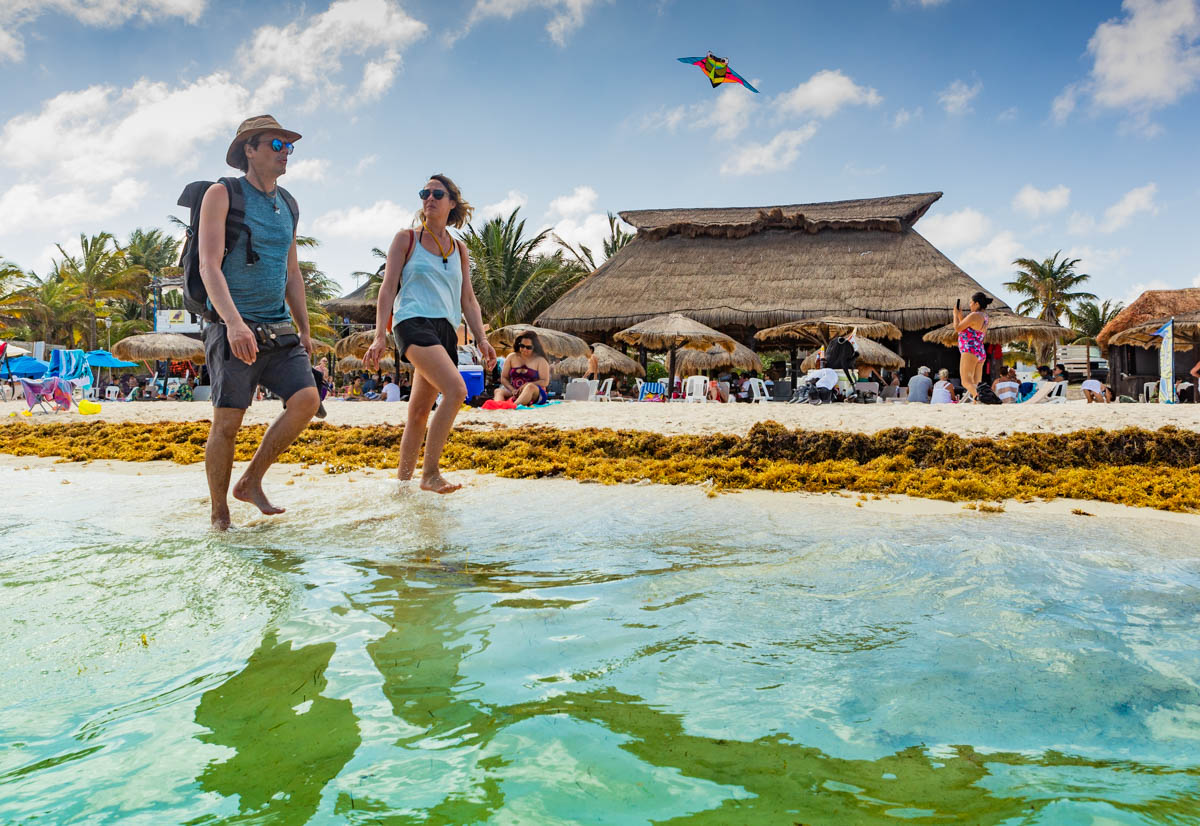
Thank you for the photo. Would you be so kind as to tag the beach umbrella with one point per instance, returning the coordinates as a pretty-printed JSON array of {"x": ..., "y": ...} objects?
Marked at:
[
  {"x": 386, "y": 364},
  {"x": 820, "y": 331},
  {"x": 26, "y": 367},
  {"x": 103, "y": 358},
  {"x": 160, "y": 346},
  {"x": 356, "y": 344},
  {"x": 320, "y": 348},
  {"x": 672, "y": 332},
  {"x": 556, "y": 344},
  {"x": 13, "y": 350},
  {"x": 695, "y": 362},
  {"x": 1187, "y": 332},
  {"x": 1004, "y": 328},
  {"x": 608, "y": 360},
  {"x": 870, "y": 354}
]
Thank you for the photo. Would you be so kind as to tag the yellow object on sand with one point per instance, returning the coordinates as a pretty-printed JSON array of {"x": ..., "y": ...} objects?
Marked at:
[
  {"x": 26, "y": 412},
  {"x": 88, "y": 407}
]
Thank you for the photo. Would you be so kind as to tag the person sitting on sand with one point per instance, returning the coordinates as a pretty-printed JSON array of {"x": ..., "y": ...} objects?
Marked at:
[
  {"x": 526, "y": 373},
  {"x": 1095, "y": 392},
  {"x": 1007, "y": 387},
  {"x": 1059, "y": 374},
  {"x": 391, "y": 390},
  {"x": 943, "y": 390},
  {"x": 354, "y": 393},
  {"x": 920, "y": 386}
]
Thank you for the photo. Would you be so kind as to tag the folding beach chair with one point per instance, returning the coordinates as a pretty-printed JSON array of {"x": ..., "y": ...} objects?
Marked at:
[
  {"x": 653, "y": 391},
  {"x": 49, "y": 391}
]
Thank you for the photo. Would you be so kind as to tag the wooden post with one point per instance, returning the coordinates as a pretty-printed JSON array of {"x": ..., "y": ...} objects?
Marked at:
[{"x": 671, "y": 376}]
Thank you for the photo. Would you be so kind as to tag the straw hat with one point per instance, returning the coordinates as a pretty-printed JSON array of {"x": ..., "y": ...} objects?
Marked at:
[{"x": 251, "y": 127}]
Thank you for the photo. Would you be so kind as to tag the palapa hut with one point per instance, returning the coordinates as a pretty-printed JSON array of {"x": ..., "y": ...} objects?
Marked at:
[
  {"x": 1130, "y": 366},
  {"x": 354, "y": 306},
  {"x": 745, "y": 269}
]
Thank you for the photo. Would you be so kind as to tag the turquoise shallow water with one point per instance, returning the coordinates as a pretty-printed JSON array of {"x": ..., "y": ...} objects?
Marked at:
[{"x": 548, "y": 652}]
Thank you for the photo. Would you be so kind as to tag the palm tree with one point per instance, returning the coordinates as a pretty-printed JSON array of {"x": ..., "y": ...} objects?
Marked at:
[
  {"x": 50, "y": 307},
  {"x": 512, "y": 280},
  {"x": 1048, "y": 289},
  {"x": 318, "y": 288},
  {"x": 11, "y": 276},
  {"x": 374, "y": 279},
  {"x": 158, "y": 254},
  {"x": 101, "y": 273},
  {"x": 617, "y": 238},
  {"x": 1088, "y": 319}
]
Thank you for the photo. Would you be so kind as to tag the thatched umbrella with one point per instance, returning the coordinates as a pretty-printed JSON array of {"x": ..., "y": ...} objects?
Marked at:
[
  {"x": 558, "y": 345},
  {"x": 608, "y": 361},
  {"x": 1187, "y": 333},
  {"x": 1150, "y": 306},
  {"x": 823, "y": 329},
  {"x": 742, "y": 269},
  {"x": 354, "y": 306},
  {"x": 386, "y": 364},
  {"x": 355, "y": 344},
  {"x": 1003, "y": 328},
  {"x": 695, "y": 362},
  {"x": 671, "y": 332},
  {"x": 156, "y": 346},
  {"x": 870, "y": 354},
  {"x": 320, "y": 348}
]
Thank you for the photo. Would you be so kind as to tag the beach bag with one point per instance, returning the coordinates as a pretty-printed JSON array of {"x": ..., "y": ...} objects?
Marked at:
[
  {"x": 840, "y": 354},
  {"x": 195, "y": 296},
  {"x": 984, "y": 394}
]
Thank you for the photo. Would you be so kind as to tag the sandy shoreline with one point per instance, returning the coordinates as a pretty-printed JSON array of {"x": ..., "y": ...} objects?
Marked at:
[{"x": 679, "y": 418}]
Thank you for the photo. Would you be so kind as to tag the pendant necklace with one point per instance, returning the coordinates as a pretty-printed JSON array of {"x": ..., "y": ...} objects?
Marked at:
[
  {"x": 273, "y": 198},
  {"x": 444, "y": 253}
]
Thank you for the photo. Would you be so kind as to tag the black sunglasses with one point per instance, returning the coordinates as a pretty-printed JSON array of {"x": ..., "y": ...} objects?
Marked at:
[
  {"x": 277, "y": 145},
  {"x": 524, "y": 346},
  {"x": 438, "y": 194}
]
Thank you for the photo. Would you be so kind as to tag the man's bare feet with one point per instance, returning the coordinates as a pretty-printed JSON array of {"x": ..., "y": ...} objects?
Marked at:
[
  {"x": 438, "y": 484},
  {"x": 220, "y": 518},
  {"x": 253, "y": 494}
]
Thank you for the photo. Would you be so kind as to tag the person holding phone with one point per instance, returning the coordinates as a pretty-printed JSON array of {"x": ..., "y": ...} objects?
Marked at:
[{"x": 971, "y": 329}]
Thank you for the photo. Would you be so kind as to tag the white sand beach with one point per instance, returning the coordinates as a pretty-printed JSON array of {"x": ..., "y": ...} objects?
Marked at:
[{"x": 680, "y": 418}]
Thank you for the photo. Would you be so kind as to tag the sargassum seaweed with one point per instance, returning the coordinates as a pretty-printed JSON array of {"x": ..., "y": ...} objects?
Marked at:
[{"x": 1143, "y": 468}]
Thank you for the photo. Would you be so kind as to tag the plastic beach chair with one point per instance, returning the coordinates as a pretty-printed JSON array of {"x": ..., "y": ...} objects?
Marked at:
[
  {"x": 1058, "y": 393},
  {"x": 603, "y": 391},
  {"x": 653, "y": 391},
  {"x": 758, "y": 391},
  {"x": 695, "y": 389}
]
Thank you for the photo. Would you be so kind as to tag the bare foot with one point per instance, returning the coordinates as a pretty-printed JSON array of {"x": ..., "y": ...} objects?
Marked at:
[
  {"x": 220, "y": 518},
  {"x": 438, "y": 484},
  {"x": 245, "y": 492}
]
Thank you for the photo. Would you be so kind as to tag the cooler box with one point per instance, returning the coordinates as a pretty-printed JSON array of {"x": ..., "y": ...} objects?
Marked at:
[{"x": 473, "y": 377}]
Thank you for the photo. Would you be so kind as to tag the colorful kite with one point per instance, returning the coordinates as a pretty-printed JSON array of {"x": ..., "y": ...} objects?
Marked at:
[{"x": 717, "y": 70}]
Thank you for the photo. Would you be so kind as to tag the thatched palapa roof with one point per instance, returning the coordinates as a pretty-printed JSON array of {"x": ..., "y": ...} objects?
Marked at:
[
  {"x": 1150, "y": 306},
  {"x": 1003, "y": 328},
  {"x": 819, "y": 331},
  {"x": 671, "y": 331},
  {"x": 691, "y": 362},
  {"x": 354, "y": 305},
  {"x": 556, "y": 344},
  {"x": 1187, "y": 331},
  {"x": 607, "y": 359},
  {"x": 155, "y": 346},
  {"x": 755, "y": 267},
  {"x": 870, "y": 354}
]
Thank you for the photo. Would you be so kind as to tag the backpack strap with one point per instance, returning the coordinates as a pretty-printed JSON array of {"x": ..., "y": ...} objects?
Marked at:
[
  {"x": 235, "y": 220},
  {"x": 292, "y": 205}
]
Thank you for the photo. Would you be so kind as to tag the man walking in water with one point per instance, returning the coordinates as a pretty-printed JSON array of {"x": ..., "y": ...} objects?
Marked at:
[{"x": 251, "y": 289}]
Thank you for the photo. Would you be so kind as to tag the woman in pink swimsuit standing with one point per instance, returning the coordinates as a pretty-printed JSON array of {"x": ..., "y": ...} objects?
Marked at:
[{"x": 971, "y": 329}]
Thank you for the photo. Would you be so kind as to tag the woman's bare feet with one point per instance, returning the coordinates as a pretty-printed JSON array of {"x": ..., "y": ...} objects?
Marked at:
[
  {"x": 253, "y": 493},
  {"x": 438, "y": 484}
]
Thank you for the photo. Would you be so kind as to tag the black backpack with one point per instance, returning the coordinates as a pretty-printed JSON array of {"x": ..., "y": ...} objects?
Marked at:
[
  {"x": 984, "y": 394},
  {"x": 840, "y": 354},
  {"x": 195, "y": 296}
]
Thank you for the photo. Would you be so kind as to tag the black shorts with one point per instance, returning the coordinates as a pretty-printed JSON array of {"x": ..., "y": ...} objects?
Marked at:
[
  {"x": 426, "y": 332},
  {"x": 284, "y": 371}
]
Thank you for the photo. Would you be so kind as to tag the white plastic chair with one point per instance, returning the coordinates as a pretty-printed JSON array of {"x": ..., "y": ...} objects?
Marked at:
[
  {"x": 601, "y": 393},
  {"x": 695, "y": 389},
  {"x": 758, "y": 391},
  {"x": 1058, "y": 393},
  {"x": 638, "y": 392},
  {"x": 1149, "y": 391},
  {"x": 112, "y": 393}
]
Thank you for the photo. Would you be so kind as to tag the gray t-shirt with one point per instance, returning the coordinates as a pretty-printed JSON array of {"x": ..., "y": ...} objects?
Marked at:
[{"x": 919, "y": 387}]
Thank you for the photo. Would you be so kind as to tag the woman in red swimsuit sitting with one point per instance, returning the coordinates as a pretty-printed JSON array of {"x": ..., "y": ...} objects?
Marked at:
[
  {"x": 971, "y": 329},
  {"x": 526, "y": 372}
]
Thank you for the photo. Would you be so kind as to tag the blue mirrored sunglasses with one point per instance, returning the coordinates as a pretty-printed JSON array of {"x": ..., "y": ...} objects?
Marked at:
[{"x": 277, "y": 145}]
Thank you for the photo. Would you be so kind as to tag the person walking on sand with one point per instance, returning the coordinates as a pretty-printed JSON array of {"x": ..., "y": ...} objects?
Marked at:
[
  {"x": 426, "y": 290},
  {"x": 971, "y": 329},
  {"x": 252, "y": 340}
]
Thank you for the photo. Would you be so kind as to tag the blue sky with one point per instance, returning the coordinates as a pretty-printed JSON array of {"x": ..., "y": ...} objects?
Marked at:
[{"x": 1047, "y": 125}]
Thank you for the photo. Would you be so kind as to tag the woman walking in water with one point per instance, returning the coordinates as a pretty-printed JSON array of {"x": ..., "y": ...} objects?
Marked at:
[
  {"x": 971, "y": 329},
  {"x": 431, "y": 272}
]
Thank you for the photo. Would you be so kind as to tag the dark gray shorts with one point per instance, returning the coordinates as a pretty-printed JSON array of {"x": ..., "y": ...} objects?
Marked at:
[{"x": 284, "y": 371}]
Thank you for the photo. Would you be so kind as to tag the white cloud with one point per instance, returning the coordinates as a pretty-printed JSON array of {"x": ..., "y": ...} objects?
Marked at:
[
  {"x": 956, "y": 230},
  {"x": 1064, "y": 104},
  {"x": 1008, "y": 115},
  {"x": 566, "y": 15},
  {"x": 309, "y": 169},
  {"x": 28, "y": 206},
  {"x": 779, "y": 153},
  {"x": 1117, "y": 216},
  {"x": 311, "y": 53},
  {"x": 365, "y": 163},
  {"x": 580, "y": 202},
  {"x": 503, "y": 208},
  {"x": 1136, "y": 290},
  {"x": 377, "y": 222},
  {"x": 15, "y": 14},
  {"x": 903, "y": 116},
  {"x": 727, "y": 114},
  {"x": 112, "y": 132},
  {"x": 823, "y": 94},
  {"x": 956, "y": 98},
  {"x": 993, "y": 261},
  {"x": 1036, "y": 202},
  {"x": 1099, "y": 263},
  {"x": 1148, "y": 59}
]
